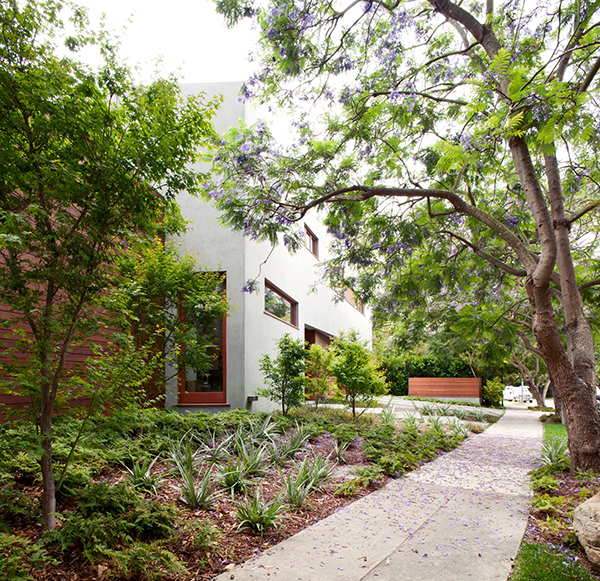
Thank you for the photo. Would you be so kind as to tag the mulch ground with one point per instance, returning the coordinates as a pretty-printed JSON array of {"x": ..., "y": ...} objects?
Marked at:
[{"x": 234, "y": 546}]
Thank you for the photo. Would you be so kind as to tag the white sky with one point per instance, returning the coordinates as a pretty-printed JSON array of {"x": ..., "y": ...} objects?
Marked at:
[{"x": 188, "y": 35}]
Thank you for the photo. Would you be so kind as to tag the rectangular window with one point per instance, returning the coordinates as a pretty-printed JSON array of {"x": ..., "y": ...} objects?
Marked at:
[
  {"x": 208, "y": 387},
  {"x": 352, "y": 299},
  {"x": 311, "y": 241},
  {"x": 279, "y": 305}
]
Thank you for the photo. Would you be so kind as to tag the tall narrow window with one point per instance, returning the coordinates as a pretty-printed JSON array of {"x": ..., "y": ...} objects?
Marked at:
[
  {"x": 207, "y": 386},
  {"x": 311, "y": 241},
  {"x": 280, "y": 305}
]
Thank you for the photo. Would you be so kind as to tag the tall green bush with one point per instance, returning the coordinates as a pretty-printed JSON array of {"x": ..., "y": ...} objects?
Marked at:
[{"x": 318, "y": 371}]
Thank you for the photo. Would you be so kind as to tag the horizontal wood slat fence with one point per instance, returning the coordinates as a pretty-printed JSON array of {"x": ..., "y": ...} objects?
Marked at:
[{"x": 459, "y": 388}]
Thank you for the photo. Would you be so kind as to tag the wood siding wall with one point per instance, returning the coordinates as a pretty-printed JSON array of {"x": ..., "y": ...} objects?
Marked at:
[
  {"x": 445, "y": 387},
  {"x": 75, "y": 358}
]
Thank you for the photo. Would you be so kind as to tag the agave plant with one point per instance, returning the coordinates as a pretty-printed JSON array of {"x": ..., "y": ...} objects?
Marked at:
[
  {"x": 214, "y": 449},
  {"x": 201, "y": 494},
  {"x": 294, "y": 489},
  {"x": 555, "y": 457},
  {"x": 459, "y": 413},
  {"x": 233, "y": 476},
  {"x": 257, "y": 514},
  {"x": 339, "y": 450},
  {"x": 140, "y": 475},
  {"x": 388, "y": 417}
]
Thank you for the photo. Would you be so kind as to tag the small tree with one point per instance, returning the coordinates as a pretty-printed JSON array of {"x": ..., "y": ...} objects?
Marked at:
[
  {"x": 356, "y": 371},
  {"x": 89, "y": 160},
  {"x": 170, "y": 305},
  {"x": 318, "y": 371},
  {"x": 285, "y": 373}
]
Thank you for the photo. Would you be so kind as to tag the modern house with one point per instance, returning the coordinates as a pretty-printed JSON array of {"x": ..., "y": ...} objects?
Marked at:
[{"x": 289, "y": 300}]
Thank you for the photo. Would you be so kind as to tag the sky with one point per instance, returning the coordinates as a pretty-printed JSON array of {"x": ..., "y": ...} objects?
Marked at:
[{"x": 188, "y": 36}]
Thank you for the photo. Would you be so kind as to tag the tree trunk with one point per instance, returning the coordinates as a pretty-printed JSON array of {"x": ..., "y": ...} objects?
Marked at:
[
  {"x": 539, "y": 398},
  {"x": 557, "y": 402},
  {"x": 49, "y": 486},
  {"x": 578, "y": 401}
]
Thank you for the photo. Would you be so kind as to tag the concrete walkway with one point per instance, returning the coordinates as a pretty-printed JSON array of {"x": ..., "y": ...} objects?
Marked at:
[{"x": 458, "y": 518}]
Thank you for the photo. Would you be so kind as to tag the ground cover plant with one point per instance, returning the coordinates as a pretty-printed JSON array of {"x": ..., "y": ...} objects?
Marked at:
[
  {"x": 550, "y": 549},
  {"x": 152, "y": 494}
]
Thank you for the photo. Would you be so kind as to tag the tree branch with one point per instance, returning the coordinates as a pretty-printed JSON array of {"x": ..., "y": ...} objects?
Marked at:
[
  {"x": 589, "y": 77},
  {"x": 589, "y": 284},
  {"x": 582, "y": 212},
  {"x": 487, "y": 257},
  {"x": 363, "y": 193}
]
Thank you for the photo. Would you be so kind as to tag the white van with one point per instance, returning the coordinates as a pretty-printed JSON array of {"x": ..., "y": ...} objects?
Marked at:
[
  {"x": 517, "y": 393},
  {"x": 509, "y": 393}
]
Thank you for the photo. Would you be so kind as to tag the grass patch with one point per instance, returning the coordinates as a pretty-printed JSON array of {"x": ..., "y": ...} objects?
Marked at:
[
  {"x": 548, "y": 563},
  {"x": 554, "y": 431}
]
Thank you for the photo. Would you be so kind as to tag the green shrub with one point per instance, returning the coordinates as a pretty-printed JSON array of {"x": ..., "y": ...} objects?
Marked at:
[
  {"x": 492, "y": 392},
  {"x": 355, "y": 370},
  {"x": 367, "y": 475},
  {"x": 549, "y": 504},
  {"x": 284, "y": 375},
  {"x": 101, "y": 497},
  {"x": 18, "y": 557},
  {"x": 91, "y": 533},
  {"x": 543, "y": 482},
  {"x": 144, "y": 562},
  {"x": 14, "y": 504},
  {"x": 110, "y": 517},
  {"x": 344, "y": 433},
  {"x": 348, "y": 488}
]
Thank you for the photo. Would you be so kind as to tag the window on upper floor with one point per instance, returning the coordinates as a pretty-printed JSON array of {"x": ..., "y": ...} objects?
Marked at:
[
  {"x": 311, "y": 241},
  {"x": 280, "y": 305},
  {"x": 351, "y": 298}
]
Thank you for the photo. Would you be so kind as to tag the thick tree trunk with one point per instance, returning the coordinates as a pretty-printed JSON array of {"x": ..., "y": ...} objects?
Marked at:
[{"x": 580, "y": 412}]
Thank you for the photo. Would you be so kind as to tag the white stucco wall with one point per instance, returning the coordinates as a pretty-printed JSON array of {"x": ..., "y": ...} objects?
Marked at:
[{"x": 250, "y": 332}]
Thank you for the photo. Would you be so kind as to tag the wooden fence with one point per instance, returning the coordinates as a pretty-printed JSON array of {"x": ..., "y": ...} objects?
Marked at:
[{"x": 458, "y": 388}]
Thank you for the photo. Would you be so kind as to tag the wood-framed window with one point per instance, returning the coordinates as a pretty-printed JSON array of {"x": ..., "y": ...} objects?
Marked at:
[
  {"x": 351, "y": 298},
  {"x": 311, "y": 241},
  {"x": 280, "y": 305},
  {"x": 209, "y": 387}
]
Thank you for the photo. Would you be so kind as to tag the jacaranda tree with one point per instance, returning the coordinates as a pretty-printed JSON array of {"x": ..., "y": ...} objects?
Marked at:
[
  {"x": 427, "y": 130},
  {"x": 88, "y": 159}
]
